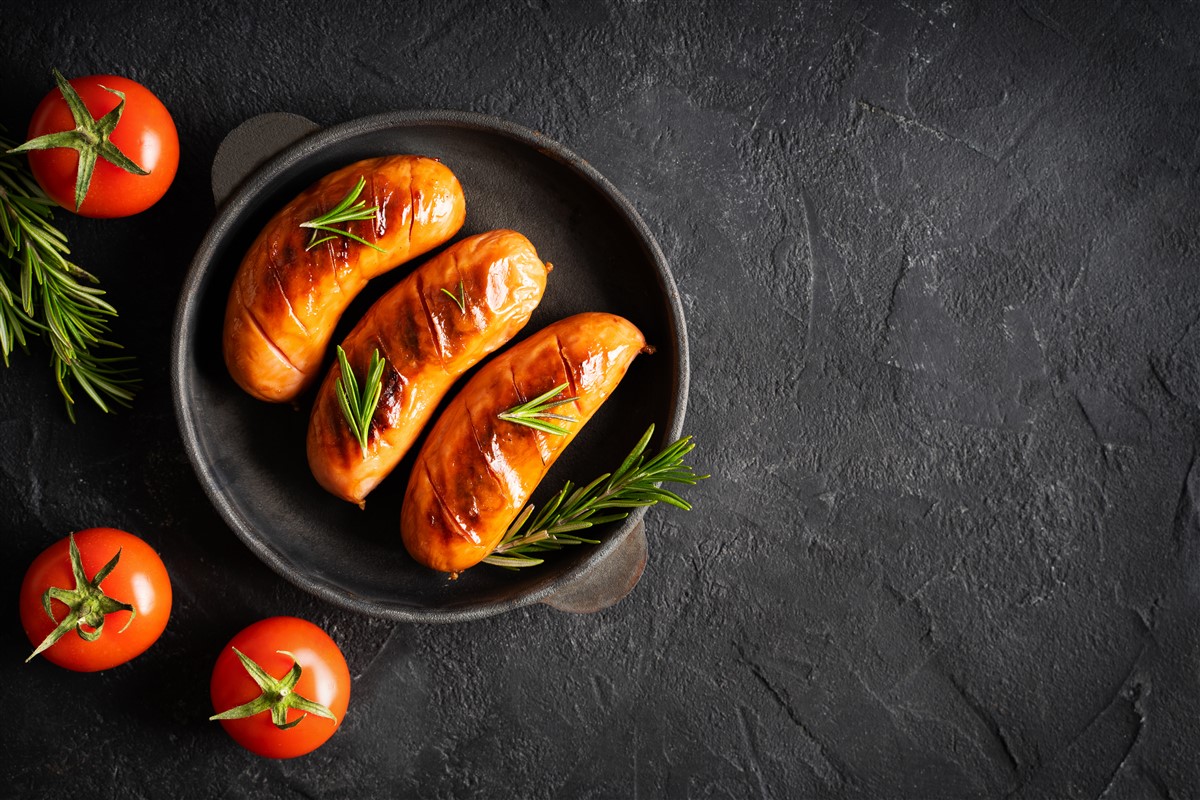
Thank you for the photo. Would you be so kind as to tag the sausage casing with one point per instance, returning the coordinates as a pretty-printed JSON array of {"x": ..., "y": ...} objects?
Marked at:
[
  {"x": 286, "y": 300},
  {"x": 427, "y": 342},
  {"x": 476, "y": 471}
]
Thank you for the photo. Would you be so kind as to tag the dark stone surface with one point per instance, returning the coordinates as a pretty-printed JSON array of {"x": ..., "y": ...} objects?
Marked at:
[{"x": 939, "y": 261}]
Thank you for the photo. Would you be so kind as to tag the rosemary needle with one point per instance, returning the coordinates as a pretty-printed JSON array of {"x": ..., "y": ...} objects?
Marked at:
[{"x": 459, "y": 299}]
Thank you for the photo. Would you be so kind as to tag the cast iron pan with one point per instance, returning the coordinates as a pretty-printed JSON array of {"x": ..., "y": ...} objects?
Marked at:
[{"x": 250, "y": 455}]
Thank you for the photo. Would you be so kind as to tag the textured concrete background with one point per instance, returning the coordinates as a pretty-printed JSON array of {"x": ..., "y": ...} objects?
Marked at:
[{"x": 939, "y": 262}]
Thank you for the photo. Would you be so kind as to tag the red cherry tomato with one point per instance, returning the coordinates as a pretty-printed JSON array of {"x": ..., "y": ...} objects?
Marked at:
[
  {"x": 145, "y": 133},
  {"x": 139, "y": 579},
  {"x": 324, "y": 680}
]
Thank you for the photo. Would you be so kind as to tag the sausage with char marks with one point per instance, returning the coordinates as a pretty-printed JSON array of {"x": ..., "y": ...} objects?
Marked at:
[
  {"x": 476, "y": 471},
  {"x": 286, "y": 300},
  {"x": 427, "y": 342}
]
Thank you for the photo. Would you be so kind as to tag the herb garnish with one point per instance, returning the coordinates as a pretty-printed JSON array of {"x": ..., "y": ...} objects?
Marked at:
[
  {"x": 358, "y": 408},
  {"x": 534, "y": 413},
  {"x": 346, "y": 211},
  {"x": 42, "y": 292},
  {"x": 460, "y": 299},
  {"x": 634, "y": 484}
]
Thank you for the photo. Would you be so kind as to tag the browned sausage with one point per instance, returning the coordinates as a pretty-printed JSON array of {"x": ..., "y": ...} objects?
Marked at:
[
  {"x": 476, "y": 471},
  {"x": 286, "y": 300},
  {"x": 427, "y": 342}
]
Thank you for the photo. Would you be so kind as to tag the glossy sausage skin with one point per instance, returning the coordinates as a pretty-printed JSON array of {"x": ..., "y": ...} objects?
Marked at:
[
  {"x": 476, "y": 471},
  {"x": 286, "y": 301},
  {"x": 427, "y": 342}
]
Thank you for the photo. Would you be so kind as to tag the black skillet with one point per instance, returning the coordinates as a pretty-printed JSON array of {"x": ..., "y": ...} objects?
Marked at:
[{"x": 249, "y": 455}]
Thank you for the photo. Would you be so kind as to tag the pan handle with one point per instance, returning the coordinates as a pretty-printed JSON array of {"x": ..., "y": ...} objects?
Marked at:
[
  {"x": 250, "y": 144},
  {"x": 244, "y": 150},
  {"x": 609, "y": 581}
]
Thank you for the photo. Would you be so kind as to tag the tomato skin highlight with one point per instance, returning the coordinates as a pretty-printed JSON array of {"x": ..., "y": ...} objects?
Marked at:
[
  {"x": 146, "y": 134},
  {"x": 140, "y": 578},
  {"x": 324, "y": 678}
]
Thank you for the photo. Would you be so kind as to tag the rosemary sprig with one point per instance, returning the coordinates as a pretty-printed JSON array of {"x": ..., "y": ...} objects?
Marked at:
[
  {"x": 459, "y": 299},
  {"x": 42, "y": 292},
  {"x": 635, "y": 483},
  {"x": 359, "y": 407},
  {"x": 348, "y": 210},
  {"x": 534, "y": 413}
]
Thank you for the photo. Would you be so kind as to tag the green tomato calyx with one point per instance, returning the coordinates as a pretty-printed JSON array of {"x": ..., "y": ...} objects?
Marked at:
[
  {"x": 90, "y": 138},
  {"x": 87, "y": 604},
  {"x": 278, "y": 695}
]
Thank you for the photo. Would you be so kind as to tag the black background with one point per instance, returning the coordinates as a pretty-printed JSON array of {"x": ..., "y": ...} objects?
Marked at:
[{"x": 939, "y": 266}]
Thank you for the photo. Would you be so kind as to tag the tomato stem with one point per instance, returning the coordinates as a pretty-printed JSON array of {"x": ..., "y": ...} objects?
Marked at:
[
  {"x": 90, "y": 138},
  {"x": 87, "y": 604},
  {"x": 278, "y": 695}
]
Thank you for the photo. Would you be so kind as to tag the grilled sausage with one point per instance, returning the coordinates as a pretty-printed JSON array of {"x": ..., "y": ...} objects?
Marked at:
[
  {"x": 286, "y": 300},
  {"x": 427, "y": 342},
  {"x": 476, "y": 471}
]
